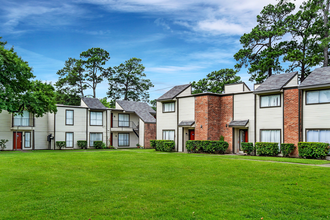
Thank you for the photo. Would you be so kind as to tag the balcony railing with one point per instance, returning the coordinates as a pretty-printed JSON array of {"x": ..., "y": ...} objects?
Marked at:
[
  {"x": 124, "y": 124},
  {"x": 23, "y": 122}
]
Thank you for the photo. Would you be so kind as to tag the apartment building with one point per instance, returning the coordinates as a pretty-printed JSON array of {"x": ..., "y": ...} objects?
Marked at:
[
  {"x": 278, "y": 110},
  {"x": 125, "y": 126}
]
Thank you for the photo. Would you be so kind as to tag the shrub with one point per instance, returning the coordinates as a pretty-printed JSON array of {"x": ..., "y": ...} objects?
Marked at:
[
  {"x": 247, "y": 147},
  {"x": 138, "y": 145},
  {"x": 153, "y": 144},
  {"x": 222, "y": 138},
  {"x": 287, "y": 149},
  {"x": 82, "y": 144},
  {"x": 313, "y": 150},
  {"x": 3, "y": 144},
  {"x": 111, "y": 147},
  {"x": 207, "y": 146},
  {"x": 99, "y": 145},
  {"x": 60, "y": 144},
  {"x": 267, "y": 149},
  {"x": 164, "y": 145}
]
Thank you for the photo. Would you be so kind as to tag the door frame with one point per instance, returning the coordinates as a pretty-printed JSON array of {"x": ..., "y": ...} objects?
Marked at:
[
  {"x": 15, "y": 139},
  {"x": 189, "y": 130},
  {"x": 239, "y": 137}
]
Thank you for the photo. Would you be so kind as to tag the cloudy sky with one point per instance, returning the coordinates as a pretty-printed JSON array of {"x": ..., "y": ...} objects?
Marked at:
[{"x": 178, "y": 41}]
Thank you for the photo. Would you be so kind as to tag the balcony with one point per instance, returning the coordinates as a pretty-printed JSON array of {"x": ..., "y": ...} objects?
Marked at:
[
  {"x": 124, "y": 126},
  {"x": 23, "y": 122}
]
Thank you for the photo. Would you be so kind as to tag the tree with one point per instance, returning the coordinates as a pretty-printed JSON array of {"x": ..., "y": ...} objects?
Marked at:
[
  {"x": 303, "y": 50},
  {"x": 126, "y": 81},
  {"x": 107, "y": 104},
  {"x": 215, "y": 81},
  {"x": 18, "y": 91},
  {"x": 67, "y": 96},
  {"x": 154, "y": 104},
  {"x": 260, "y": 47},
  {"x": 95, "y": 59}
]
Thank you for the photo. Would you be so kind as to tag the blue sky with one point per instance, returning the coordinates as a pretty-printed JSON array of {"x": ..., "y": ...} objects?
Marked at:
[{"x": 178, "y": 41}]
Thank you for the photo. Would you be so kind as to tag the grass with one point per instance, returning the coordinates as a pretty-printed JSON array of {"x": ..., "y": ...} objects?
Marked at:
[{"x": 143, "y": 184}]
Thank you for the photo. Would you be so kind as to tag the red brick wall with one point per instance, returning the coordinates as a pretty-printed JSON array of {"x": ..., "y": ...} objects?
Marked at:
[
  {"x": 149, "y": 134},
  {"x": 291, "y": 118},
  {"x": 213, "y": 113},
  {"x": 226, "y": 117}
]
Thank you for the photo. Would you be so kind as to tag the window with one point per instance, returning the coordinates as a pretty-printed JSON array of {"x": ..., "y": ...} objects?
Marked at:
[
  {"x": 123, "y": 139},
  {"x": 318, "y": 136},
  {"x": 94, "y": 137},
  {"x": 123, "y": 120},
  {"x": 96, "y": 118},
  {"x": 69, "y": 139},
  {"x": 321, "y": 96},
  {"x": 270, "y": 101},
  {"x": 169, "y": 107},
  {"x": 69, "y": 117},
  {"x": 271, "y": 136},
  {"x": 168, "y": 135},
  {"x": 22, "y": 120},
  {"x": 27, "y": 140}
]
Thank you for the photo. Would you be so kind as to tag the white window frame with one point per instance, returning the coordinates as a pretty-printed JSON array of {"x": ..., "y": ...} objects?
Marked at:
[
  {"x": 125, "y": 142},
  {"x": 121, "y": 122},
  {"x": 318, "y": 97},
  {"x": 66, "y": 140},
  {"x": 170, "y": 109},
  {"x": 272, "y": 130},
  {"x": 95, "y": 120},
  {"x": 269, "y": 104},
  {"x": 167, "y": 135},
  {"x": 97, "y": 134},
  {"x": 27, "y": 141},
  {"x": 317, "y": 136}
]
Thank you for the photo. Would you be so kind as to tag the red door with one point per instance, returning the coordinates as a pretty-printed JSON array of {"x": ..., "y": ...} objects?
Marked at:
[
  {"x": 191, "y": 134},
  {"x": 18, "y": 140},
  {"x": 246, "y": 136}
]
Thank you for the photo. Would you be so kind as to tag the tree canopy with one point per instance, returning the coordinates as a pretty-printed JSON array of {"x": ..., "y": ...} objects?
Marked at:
[
  {"x": 127, "y": 82},
  {"x": 18, "y": 90},
  {"x": 215, "y": 81}
]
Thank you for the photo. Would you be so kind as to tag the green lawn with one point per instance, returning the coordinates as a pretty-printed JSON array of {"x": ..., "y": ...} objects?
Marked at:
[{"x": 143, "y": 184}]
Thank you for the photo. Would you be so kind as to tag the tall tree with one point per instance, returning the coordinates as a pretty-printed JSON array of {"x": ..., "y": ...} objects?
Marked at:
[
  {"x": 303, "y": 50},
  {"x": 111, "y": 104},
  {"x": 325, "y": 39},
  {"x": 94, "y": 60},
  {"x": 72, "y": 82},
  {"x": 126, "y": 81},
  {"x": 260, "y": 47},
  {"x": 215, "y": 81},
  {"x": 18, "y": 91}
]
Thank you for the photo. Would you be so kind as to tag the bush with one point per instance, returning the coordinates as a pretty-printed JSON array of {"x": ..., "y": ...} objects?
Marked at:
[
  {"x": 60, "y": 144},
  {"x": 164, "y": 145},
  {"x": 247, "y": 147},
  {"x": 313, "y": 150},
  {"x": 153, "y": 144},
  {"x": 222, "y": 138},
  {"x": 82, "y": 144},
  {"x": 267, "y": 149},
  {"x": 287, "y": 149},
  {"x": 99, "y": 145},
  {"x": 111, "y": 147},
  {"x": 207, "y": 146},
  {"x": 3, "y": 144}
]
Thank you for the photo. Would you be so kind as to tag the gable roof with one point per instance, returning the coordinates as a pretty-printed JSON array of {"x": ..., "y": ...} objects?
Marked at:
[
  {"x": 143, "y": 110},
  {"x": 172, "y": 93},
  {"x": 275, "y": 82},
  {"x": 318, "y": 77},
  {"x": 94, "y": 103}
]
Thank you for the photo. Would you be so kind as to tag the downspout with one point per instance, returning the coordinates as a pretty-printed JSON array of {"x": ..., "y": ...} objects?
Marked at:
[
  {"x": 255, "y": 122},
  {"x": 177, "y": 125},
  {"x": 106, "y": 127}
]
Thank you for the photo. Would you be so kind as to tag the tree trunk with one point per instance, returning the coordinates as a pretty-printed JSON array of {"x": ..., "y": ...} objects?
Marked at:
[
  {"x": 326, "y": 33},
  {"x": 302, "y": 77},
  {"x": 270, "y": 68}
]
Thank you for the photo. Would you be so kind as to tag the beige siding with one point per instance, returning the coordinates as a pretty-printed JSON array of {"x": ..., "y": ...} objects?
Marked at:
[
  {"x": 293, "y": 82},
  {"x": 141, "y": 132},
  {"x": 118, "y": 106},
  {"x": 256, "y": 86},
  {"x": 234, "y": 88},
  {"x": 83, "y": 104},
  {"x": 243, "y": 110},
  {"x": 185, "y": 92},
  {"x": 41, "y": 132},
  {"x": 186, "y": 109},
  {"x": 5, "y": 132},
  {"x": 315, "y": 116},
  {"x": 269, "y": 118},
  {"x": 133, "y": 139},
  {"x": 245, "y": 88}
]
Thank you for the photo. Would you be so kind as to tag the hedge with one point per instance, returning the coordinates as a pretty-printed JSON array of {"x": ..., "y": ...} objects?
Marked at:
[
  {"x": 247, "y": 147},
  {"x": 267, "y": 148},
  {"x": 82, "y": 144},
  {"x": 99, "y": 145},
  {"x": 60, "y": 144},
  {"x": 287, "y": 149},
  {"x": 313, "y": 150},
  {"x": 153, "y": 144},
  {"x": 164, "y": 145},
  {"x": 207, "y": 146}
]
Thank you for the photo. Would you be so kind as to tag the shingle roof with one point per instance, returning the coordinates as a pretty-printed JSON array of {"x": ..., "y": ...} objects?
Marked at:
[
  {"x": 143, "y": 110},
  {"x": 238, "y": 123},
  {"x": 172, "y": 93},
  {"x": 93, "y": 103},
  {"x": 319, "y": 76},
  {"x": 275, "y": 82},
  {"x": 186, "y": 123}
]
